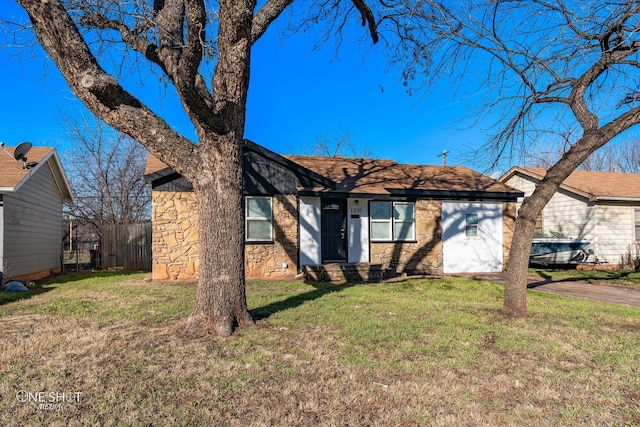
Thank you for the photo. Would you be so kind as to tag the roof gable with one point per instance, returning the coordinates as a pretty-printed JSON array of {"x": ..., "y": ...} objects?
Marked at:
[
  {"x": 589, "y": 184},
  {"x": 156, "y": 170},
  {"x": 13, "y": 175}
]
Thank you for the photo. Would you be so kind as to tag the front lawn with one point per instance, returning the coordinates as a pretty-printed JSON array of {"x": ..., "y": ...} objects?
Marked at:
[
  {"x": 622, "y": 278},
  {"x": 109, "y": 351}
]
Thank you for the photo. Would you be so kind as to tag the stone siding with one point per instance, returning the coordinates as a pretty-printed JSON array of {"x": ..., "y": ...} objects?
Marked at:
[
  {"x": 175, "y": 240},
  {"x": 509, "y": 211},
  {"x": 277, "y": 259},
  {"x": 424, "y": 256},
  {"x": 175, "y": 236},
  {"x": 176, "y": 246}
]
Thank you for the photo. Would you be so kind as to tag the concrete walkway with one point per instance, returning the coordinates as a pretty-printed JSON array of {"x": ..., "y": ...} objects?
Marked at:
[{"x": 610, "y": 294}]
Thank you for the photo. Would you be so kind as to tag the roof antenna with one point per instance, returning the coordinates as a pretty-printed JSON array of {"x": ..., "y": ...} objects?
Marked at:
[
  {"x": 444, "y": 157},
  {"x": 2, "y": 144}
]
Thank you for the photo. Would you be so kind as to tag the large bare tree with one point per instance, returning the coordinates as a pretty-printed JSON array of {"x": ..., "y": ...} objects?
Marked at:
[
  {"x": 552, "y": 70},
  {"x": 106, "y": 172},
  {"x": 623, "y": 156},
  {"x": 202, "y": 48},
  {"x": 337, "y": 146}
]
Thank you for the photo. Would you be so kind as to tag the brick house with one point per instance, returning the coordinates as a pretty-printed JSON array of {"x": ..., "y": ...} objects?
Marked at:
[{"x": 371, "y": 217}]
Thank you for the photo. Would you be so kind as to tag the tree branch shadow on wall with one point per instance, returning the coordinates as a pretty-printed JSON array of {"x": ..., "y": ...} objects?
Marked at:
[
  {"x": 320, "y": 290},
  {"x": 415, "y": 263}
]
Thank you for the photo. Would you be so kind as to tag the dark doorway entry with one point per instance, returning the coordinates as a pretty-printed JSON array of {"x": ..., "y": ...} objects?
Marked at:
[{"x": 334, "y": 221}]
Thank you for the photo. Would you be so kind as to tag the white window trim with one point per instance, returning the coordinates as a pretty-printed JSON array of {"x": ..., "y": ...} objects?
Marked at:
[
  {"x": 247, "y": 219},
  {"x": 636, "y": 222},
  {"x": 393, "y": 223},
  {"x": 476, "y": 225}
]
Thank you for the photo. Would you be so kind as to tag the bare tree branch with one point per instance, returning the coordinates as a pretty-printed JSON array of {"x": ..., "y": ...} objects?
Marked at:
[
  {"x": 106, "y": 171},
  {"x": 367, "y": 19},
  {"x": 268, "y": 13},
  {"x": 556, "y": 69},
  {"x": 101, "y": 92}
]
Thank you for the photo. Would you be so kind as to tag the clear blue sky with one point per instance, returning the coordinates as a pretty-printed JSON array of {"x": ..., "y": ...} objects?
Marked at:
[{"x": 295, "y": 97}]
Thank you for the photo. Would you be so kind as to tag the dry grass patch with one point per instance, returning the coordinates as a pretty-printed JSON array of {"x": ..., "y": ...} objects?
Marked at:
[{"x": 413, "y": 353}]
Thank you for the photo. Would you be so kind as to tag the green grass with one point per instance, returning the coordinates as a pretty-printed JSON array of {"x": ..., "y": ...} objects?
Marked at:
[
  {"x": 417, "y": 352},
  {"x": 622, "y": 278},
  {"x": 115, "y": 296}
]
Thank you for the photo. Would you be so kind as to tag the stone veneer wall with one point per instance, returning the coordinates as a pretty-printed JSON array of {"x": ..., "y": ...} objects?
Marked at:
[
  {"x": 509, "y": 211},
  {"x": 269, "y": 259},
  {"x": 176, "y": 245},
  {"x": 175, "y": 236},
  {"x": 424, "y": 256}
]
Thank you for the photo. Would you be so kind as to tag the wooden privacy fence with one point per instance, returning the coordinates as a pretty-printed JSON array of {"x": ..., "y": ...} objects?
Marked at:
[{"x": 127, "y": 246}]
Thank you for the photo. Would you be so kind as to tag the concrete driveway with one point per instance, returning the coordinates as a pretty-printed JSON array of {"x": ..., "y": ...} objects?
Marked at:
[{"x": 611, "y": 294}]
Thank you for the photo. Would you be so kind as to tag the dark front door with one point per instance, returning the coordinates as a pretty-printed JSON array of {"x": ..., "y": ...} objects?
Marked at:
[{"x": 333, "y": 230}]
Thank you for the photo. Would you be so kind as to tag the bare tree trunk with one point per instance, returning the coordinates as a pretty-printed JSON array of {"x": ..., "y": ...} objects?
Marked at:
[
  {"x": 221, "y": 303},
  {"x": 515, "y": 292}
]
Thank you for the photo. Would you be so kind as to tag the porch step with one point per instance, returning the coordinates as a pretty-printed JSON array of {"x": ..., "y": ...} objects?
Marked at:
[{"x": 342, "y": 272}]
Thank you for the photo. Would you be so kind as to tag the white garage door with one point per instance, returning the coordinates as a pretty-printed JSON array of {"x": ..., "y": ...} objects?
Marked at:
[{"x": 471, "y": 237}]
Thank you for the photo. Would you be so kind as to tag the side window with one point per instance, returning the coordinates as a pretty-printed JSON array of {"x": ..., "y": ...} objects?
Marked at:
[
  {"x": 258, "y": 219},
  {"x": 471, "y": 225},
  {"x": 637, "y": 224}
]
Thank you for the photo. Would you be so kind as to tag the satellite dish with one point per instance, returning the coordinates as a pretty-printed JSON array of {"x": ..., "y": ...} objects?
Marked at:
[{"x": 21, "y": 151}]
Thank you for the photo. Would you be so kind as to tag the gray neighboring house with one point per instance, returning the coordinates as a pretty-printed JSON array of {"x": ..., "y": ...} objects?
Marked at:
[{"x": 31, "y": 201}]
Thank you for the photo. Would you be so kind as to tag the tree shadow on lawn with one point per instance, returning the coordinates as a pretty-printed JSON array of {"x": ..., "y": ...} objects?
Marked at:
[
  {"x": 61, "y": 278},
  {"x": 604, "y": 277},
  {"x": 50, "y": 283},
  {"x": 321, "y": 289},
  {"x": 9, "y": 297}
]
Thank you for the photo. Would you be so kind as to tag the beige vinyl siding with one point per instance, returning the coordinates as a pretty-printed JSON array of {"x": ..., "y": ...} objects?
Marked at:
[
  {"x": 527, "y": 186},
  {"x": 615, "y": 229},
  {"x": 566, "y": 213},
  {"x": 33, "y": 226},
  {"x": 608, "y": 226},
  {"x": 572, "y": 216}
]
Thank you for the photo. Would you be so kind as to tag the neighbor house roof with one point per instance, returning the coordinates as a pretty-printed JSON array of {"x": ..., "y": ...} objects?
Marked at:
[
  {"x": 386, "y": 177},
  {"x": 595, "y": 186},
  {"x": 13, "y": 175}
]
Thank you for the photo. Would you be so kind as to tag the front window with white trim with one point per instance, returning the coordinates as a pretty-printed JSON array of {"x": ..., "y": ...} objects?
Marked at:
[
  {"x": 259, "y": 219},
  {"x": 636, "y": 220},
  {"x": 392, "y": 221}
]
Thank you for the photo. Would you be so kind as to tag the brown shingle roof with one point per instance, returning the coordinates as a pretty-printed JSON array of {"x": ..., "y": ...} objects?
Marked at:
[
  {"x": 11, "y": 172},
  {"x": 589, "y": 184},
  {"x": 373, "y": 176},
  {"x": 382, "y": 177},
  {"x": 153, "y": 165}
]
